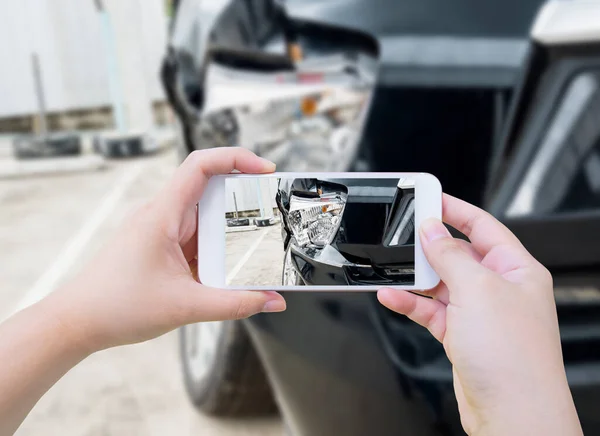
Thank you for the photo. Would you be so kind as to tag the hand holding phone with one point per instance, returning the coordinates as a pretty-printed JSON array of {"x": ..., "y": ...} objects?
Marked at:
[
  {"x": 495, "y": 314},
  {"x": 316, "y": 231}
]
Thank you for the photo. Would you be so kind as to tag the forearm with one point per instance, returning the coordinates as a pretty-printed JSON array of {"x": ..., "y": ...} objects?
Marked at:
[
  {"x": 36, "y": 350},
  {"x": 547, "y": 410}
]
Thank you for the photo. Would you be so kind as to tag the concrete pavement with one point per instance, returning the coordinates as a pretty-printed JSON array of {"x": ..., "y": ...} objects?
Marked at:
[{"x": 254, "y": 258}]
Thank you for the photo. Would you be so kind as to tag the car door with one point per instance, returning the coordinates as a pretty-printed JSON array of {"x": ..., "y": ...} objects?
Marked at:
[{"x": 545, "y": 181}]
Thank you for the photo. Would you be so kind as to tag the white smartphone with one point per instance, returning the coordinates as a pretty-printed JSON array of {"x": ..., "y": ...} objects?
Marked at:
[{"x": 316, "y": 231}]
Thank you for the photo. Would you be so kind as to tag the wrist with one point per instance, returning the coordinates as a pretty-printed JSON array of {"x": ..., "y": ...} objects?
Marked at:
[
  {"x": 60, "y": 317},
  {"x": 547, "y": 409}
]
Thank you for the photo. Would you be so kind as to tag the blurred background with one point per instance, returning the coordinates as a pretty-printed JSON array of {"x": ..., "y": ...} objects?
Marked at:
[{"x": 100, "y": 100}]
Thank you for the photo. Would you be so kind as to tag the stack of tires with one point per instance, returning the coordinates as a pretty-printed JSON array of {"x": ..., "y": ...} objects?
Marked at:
[
  {"x": 122, "y": 145},
  {"x": 50, "y": 145}
]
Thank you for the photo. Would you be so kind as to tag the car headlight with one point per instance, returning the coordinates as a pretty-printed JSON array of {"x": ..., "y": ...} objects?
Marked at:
[
  {"x": 565, "y": 164},
  {"x": 316, "y": 220},
  {"x": 310, "y": 118}
]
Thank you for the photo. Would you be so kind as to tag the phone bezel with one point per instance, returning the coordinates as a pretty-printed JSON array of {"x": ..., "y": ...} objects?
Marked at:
[{"x": 211, "y": 216}]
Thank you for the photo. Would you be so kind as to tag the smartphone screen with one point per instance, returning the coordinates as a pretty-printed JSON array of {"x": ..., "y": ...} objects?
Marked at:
[{"x": 289, "y": 231}]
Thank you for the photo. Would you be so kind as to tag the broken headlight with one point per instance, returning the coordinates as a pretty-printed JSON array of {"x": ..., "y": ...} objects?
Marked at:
[{"x": 316, "y": 220}]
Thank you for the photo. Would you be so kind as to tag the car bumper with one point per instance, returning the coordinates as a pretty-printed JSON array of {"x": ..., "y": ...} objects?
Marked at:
[
  {"x": 340, "y": 363},
  {"x": 332, "y": 373},
  {"x": 327, "y": 267}
]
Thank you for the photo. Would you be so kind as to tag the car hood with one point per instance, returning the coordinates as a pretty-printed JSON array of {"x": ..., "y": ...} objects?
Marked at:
[{"x": 436, "y": 42}]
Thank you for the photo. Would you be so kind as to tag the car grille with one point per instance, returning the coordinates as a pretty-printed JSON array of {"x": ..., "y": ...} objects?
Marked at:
[
  {"x": 415, "y": 352},
  {"x": 579, "y": 320}
]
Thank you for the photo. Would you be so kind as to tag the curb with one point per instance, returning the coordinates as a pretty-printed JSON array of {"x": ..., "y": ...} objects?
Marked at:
[
  {"x": 12, "y": 168},
  {"x": 240, "y": 229}
]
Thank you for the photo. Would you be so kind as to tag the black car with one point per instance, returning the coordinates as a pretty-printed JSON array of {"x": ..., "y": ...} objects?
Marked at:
[
  {"x": 505, "y": 120},
  {"x": 347, "y": 231}
]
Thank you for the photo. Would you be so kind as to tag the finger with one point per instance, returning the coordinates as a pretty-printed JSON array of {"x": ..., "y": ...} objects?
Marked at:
[
  {"x": 427, "y": 312},
  {"x": 190, "y": 249},
  {"x": 484, "y": 231},
  {"x": 510, "y": 262},
  {"x": 449, "y": 259},
  {"x": 440, "y": 292},
  {"x": 468, "y": 248},
  {"x": 193, "y": 264},
  {"x": 189, "y": 181},
  {"x": 209, "y": 304},
  {"x": 187, "y": 225}
]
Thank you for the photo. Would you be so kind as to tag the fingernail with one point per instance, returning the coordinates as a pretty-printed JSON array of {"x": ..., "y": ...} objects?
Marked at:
[
  {"x": 274, "y": 306},
  {"x": 433, "y": 229},
  {"x": 269, "y": 166}
]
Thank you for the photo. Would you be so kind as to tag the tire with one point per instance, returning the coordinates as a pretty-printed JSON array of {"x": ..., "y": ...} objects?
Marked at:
[
  {"x": 264, "y": 222},
  {"x": 52, "y": 145},
  {"x": 121, "y": 147},
  {"x": 294, "y": 279},
  {"x": 232, "y": 381},
  {"x": 238, "y": 222}
]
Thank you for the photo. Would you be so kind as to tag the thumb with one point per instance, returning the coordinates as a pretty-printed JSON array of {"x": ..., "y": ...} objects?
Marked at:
[
  {"x": 210, "y": 304},
  {"x": 447, "y": 256}
]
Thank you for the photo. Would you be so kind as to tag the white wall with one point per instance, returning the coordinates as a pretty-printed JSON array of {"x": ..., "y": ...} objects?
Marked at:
[
  {"x": 246, "y": 193},
  {"x": 68, "y": 37}
]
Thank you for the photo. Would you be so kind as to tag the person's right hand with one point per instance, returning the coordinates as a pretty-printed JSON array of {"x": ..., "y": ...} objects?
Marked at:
[{"x": 495, "y": 314}]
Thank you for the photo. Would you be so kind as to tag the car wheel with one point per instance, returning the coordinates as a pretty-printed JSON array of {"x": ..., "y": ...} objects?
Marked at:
[
  {"x": 264, "y": 222},
  {"x": 51, "y": 145},
  {"x": 223, "y": 374},
  {"x": 289, "y": 275},
  {"x": 238, "y": 222}
]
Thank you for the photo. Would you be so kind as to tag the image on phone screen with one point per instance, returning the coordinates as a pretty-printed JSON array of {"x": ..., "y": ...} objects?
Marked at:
[{"x": 320, "y": 232}]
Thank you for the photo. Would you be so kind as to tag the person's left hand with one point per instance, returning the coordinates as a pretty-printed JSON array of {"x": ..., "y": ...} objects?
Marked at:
[{"x": 141, "y": 285}]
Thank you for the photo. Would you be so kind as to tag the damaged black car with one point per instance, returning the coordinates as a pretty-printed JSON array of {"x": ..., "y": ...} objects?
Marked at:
[{"x": 342, "y": 232}]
